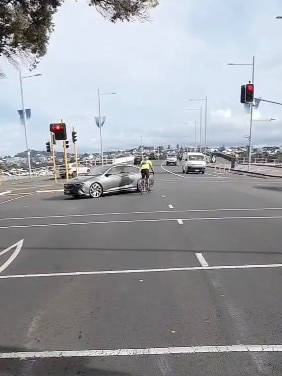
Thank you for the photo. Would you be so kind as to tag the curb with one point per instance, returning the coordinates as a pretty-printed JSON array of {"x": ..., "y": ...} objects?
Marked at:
[{"x": 250, "y": 173}]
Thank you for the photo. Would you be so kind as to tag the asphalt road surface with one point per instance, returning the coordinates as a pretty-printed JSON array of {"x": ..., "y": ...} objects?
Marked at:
[{"x": 185, "y": 280}]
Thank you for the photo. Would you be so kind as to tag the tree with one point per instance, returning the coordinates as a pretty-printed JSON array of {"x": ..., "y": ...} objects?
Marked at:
[{"x": 26, "y": 25}]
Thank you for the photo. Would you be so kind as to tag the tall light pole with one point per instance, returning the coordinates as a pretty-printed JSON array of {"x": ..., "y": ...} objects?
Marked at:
[
  {"x": 206, "y": 119},
  {"x": 101, "y": 123},
  {"x": 24, "y": 117},
  {"x": 251, "y": 113}
]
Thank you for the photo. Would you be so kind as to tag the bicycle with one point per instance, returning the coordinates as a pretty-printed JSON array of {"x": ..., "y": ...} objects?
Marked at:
[{"x": 145, "y": 185}]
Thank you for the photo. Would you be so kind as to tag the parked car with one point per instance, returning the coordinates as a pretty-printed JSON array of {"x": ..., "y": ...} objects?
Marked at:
[
  {"x": 193, "y": 162},
  {"x": 105, "y": 179}
]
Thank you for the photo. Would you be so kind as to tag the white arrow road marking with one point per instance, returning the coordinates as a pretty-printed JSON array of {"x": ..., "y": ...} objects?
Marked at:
[
  {"x": 18, "y": 247},
  {"x": 4, "y": 193}
]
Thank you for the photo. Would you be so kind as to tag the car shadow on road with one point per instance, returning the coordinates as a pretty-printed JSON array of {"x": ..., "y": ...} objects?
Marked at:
[
  {"x": 270, "y": 188},
  {"x": 83, "y": 366}
]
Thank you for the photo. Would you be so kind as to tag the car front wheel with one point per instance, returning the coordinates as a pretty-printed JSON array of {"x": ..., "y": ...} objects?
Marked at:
[{"x": 95, "y": 190}]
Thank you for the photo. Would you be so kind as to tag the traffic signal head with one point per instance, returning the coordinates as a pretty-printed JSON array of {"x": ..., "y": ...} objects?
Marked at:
[
  {"x": 48, "y": 147},
  {"x": 67, "y": 144},
  {"x": 59, "y": 130},
  {"x": 243, "y": 94},
  {"x": 250, "y": 91},
  {"x": 74, "y": 136}
]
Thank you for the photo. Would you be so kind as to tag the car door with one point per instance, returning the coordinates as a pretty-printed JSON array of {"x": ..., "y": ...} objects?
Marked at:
[
  {"x": 113, "y": 179},
  {"x": 130, "y": 176}
]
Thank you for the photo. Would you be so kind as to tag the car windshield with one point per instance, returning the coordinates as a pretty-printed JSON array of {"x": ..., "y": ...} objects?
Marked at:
[
  {"x": 98, "y": 170},
  {"x": 196, "y": 158}
]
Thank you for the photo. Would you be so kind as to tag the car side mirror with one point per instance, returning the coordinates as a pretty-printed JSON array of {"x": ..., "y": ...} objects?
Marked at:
[{"x": 107, "y": 175}]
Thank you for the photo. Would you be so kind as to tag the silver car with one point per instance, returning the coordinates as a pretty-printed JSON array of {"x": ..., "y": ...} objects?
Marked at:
[{"x": 104, "y": 179}]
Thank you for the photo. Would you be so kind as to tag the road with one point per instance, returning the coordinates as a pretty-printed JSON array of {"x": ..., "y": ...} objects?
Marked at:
[{"x": 185, "y": 280}]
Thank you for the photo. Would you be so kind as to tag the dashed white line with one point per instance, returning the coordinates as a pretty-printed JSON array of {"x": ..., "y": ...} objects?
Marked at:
[
  {"x": 24, "y": 355},
  {"x": 170, "y": 206},
  {"x": 141, "y": 271},
  {"x": 180, "y": 222},
  {"x": 201, "y": 260}
]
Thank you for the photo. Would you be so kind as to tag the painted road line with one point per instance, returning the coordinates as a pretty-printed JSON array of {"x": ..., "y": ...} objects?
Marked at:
[
  {"x": 5, "y": 193},
  {"x": 140, "y": 271},
  {"x": 170, "y": 206},
  {"x": 201, "y": 259},
  {"x": 180, "y": 222},
  {"x": 24, "y": 355},
  {"x": 12, "y": 199},
  {"x": 140, "y": 213},
  {"x": 51, "y": 191},
  {"x": 137, "y": 221},
  {"x": 18, "y": 247},
  {"x": 170, "y": 172}
]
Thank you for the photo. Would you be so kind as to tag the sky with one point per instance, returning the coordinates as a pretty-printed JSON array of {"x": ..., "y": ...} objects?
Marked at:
[{"x": 155, "y": 68}]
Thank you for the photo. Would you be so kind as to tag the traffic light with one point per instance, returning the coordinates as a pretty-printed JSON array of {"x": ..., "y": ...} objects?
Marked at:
[
  {"x": 53, "y": 139},
  {"x": 59, "y": 130},
  {"x": 243, "y": 94},
  {"x": 67, "y": 144},
  {"x": 74, "y": 136},
  {"x": 48, "y": 147},
  {"x": 250, "y": 91}
]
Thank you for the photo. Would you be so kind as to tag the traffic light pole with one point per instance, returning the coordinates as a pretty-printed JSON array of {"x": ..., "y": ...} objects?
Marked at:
[
  {"x": 251, "y": 120},
  {"x": 76, "y": 154},
  {"x": 66, "y": 160},
  {"x": 54, "y": 160}
]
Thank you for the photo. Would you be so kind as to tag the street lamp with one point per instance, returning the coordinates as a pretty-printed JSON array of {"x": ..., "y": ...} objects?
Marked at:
[
  {"x": 101, "y": 123},
  {"x": 24, "y": 116},
  {"x": 251, "y": 112},
  {"x": 206, "y": 119}
]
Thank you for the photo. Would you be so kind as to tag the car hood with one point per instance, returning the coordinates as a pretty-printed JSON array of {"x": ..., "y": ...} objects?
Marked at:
[{"x": 84, "y": 179}]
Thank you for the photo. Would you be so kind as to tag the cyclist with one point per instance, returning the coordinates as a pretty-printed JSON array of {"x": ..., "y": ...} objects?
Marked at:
[{"x": 146, "y": 166}]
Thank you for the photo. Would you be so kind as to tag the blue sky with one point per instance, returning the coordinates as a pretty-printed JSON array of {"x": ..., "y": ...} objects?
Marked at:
[{"x": 155, "y": 68}]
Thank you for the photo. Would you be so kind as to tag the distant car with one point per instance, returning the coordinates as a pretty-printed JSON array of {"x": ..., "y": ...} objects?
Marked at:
[
  {"x": 171, "y": 160},
  {"x": 105, "y": 179}
]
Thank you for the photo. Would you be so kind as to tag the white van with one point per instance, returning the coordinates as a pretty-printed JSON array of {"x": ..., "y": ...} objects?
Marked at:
[{"x": 193, "y": 162}]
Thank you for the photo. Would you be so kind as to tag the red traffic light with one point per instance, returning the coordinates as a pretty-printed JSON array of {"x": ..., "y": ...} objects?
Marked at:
[
  {"x": 250, "y": 87},
  {"x": 59, "y": 131}
]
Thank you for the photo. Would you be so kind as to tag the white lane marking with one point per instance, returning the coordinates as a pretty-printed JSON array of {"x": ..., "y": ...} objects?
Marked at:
[
  {"x": 201, "y": 259},
  {"x": 141, "y": 271},
  {"x": 180, "y": 222},
  {"x": 140, "y": 213},
  {"x": 170, "y": 172},
  {"x": 24, "y": 355},
  {"x": 170, "y": 206},
  {"x": 5, "y": 193},
  {"x": 51, "y": 191},
  {"x": 18, "y": 247},
  {"x": 140, "y": 221},
  {"x": 12, "y": 199}
]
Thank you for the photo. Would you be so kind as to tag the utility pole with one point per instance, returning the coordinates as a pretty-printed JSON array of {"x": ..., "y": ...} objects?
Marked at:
[
  {"x": 54, "y": 156},
  {"x": 75, "y": 149},
  {"x": 251, "y": 119}
]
